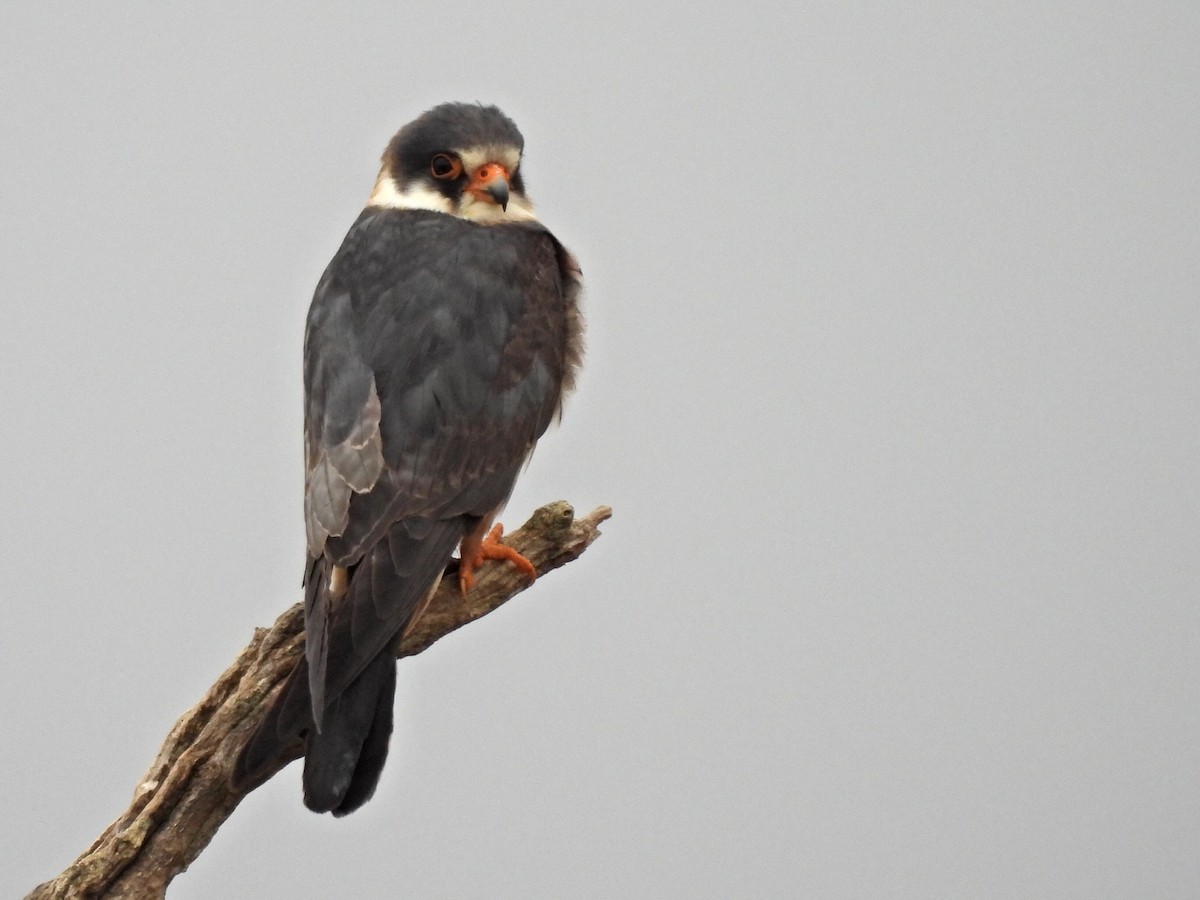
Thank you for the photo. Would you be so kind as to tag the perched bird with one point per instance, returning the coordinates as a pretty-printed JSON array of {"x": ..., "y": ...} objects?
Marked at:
[{"x": 440, "y": 344}]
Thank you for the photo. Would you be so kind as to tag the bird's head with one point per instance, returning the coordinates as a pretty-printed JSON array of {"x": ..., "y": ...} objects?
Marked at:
[{"x": 458, "y": 158}]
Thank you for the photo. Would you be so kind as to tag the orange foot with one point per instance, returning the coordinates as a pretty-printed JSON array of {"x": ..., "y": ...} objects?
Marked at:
[{"x": 473, "y": 555}]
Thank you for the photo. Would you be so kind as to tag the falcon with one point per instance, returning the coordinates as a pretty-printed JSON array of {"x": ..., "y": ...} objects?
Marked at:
[{"x": 439, "y": 346}]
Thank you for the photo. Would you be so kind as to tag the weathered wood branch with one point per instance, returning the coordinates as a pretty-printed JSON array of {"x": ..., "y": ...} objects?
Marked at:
[{"x": 185, "y": 795}]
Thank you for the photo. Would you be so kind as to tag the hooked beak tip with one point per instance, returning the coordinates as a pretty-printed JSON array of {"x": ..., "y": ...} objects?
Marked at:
[{"x": 498, "y": 191}]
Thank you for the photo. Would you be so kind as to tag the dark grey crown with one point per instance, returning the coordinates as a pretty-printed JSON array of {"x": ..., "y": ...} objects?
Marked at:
[{"x": 451, "y": 126}]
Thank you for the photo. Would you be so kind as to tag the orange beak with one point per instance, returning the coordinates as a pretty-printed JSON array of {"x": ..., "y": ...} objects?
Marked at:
[{"x": 490, "y": 184}]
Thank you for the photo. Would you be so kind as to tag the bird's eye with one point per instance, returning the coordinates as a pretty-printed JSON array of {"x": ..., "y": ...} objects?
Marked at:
[{"x": 445, "y": 166}]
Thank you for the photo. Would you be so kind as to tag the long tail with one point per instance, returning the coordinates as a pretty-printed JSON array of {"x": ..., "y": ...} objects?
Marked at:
[
  {"x": 350, "y": 642},
  {"x": 342, "y": 761}
]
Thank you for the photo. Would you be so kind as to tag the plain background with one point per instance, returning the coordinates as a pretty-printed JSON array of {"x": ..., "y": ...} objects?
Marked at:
[{"x": 892, "y": 382}]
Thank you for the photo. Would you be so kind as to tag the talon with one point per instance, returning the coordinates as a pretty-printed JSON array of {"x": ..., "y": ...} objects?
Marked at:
[{"x": 489, "y": 548}]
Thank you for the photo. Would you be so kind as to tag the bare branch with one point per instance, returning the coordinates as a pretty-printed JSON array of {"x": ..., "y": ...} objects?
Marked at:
[{"x": 185, "y": 795}]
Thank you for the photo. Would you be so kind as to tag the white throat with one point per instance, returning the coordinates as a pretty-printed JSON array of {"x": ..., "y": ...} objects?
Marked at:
[{"x": 417, "y": 196}]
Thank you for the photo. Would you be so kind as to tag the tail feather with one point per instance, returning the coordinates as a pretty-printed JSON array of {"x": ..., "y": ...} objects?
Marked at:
[
  {"x": 343, "y": 761},
  {"x": 350, "y": 657}
]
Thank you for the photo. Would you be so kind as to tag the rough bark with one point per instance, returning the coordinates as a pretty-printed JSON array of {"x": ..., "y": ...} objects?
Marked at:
[{"x": 185, "y": 795}]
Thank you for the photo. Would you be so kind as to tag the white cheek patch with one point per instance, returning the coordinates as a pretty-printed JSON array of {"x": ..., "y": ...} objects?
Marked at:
[
  {"x": 415, "y": 196},
  {"x": 389, "y": 195}
]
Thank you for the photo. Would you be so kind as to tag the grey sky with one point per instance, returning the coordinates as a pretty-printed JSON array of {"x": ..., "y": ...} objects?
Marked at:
[{"x": 893, "y": 384}]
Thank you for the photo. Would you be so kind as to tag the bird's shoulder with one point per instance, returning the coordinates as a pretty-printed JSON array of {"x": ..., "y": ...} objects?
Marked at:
[
  {"x": 399, "y": 243},
  {"x": 411, "y": 285}
]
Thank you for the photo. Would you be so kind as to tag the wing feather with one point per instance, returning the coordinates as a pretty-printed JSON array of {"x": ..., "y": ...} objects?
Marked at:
[{"x": 434, "y": 358}]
